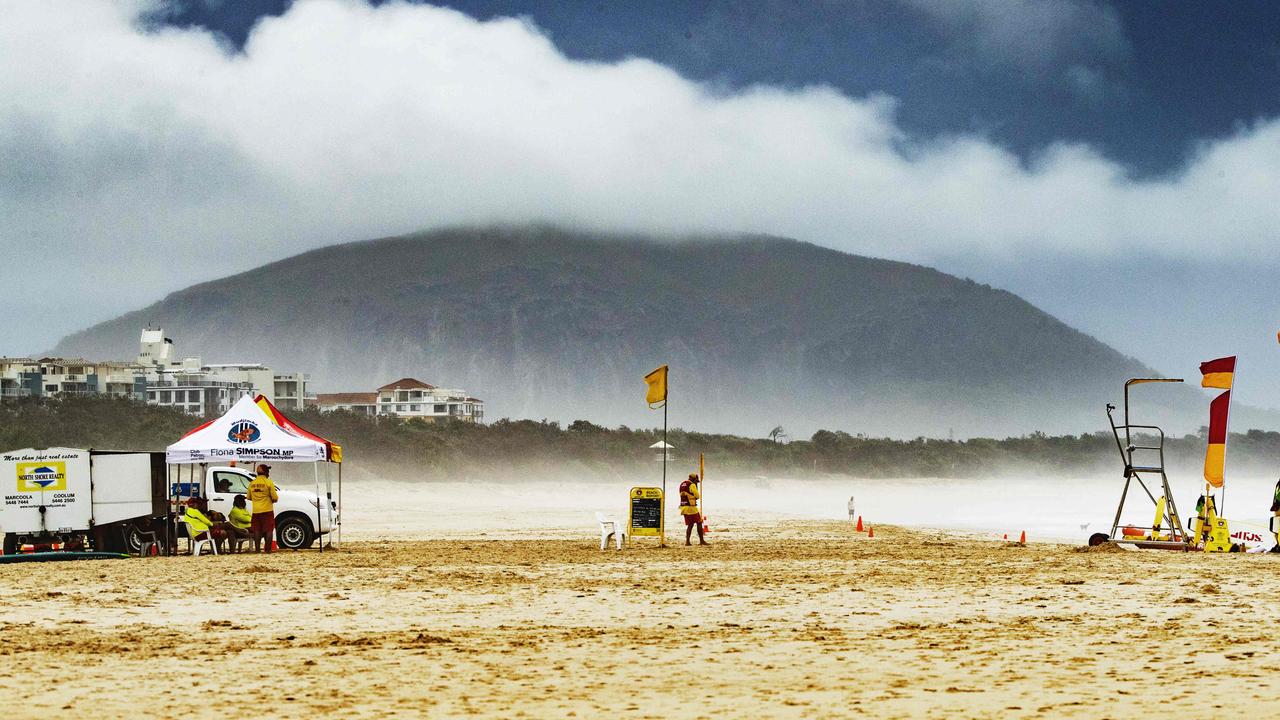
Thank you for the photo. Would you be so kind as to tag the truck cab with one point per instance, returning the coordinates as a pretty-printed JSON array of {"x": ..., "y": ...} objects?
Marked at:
[{"x": 301, "y": 516}]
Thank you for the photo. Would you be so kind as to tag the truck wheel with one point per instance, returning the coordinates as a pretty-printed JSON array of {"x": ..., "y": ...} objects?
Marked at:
[
  {"x": 132, "y": 539},
  {"x": 10, "y": 544},
  {"x": 294, "y": 533}
]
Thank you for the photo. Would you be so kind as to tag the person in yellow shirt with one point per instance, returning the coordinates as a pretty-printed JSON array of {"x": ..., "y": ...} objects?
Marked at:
[
  {"x": 200, "y": 525},
  {"x": 689, "y": 494},
  {"x": 263, "y": 496},
  {"x": 239, "y": 521}
]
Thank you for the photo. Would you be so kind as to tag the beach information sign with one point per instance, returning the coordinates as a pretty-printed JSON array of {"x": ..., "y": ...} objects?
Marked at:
[{"x": 646, "y": 512}]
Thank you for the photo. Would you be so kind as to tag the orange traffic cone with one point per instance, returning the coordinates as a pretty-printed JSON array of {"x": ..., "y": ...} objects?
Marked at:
[
  {"x": 859, "y": 523},
  {"x": 871, "y": 532},
  {"x": 274, "y": 546},
  {"x": 1023, "y": 539}
]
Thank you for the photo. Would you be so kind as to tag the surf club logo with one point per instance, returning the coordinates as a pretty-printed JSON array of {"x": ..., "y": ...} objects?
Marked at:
[
  {"x": 244, "y": 432},
  {"x": 42, "y": 476}
]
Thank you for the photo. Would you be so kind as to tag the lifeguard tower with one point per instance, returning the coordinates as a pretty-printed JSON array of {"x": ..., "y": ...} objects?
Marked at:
[
  {"x": 1144, "y": 467},
  {"x": 662, "y": 451}
]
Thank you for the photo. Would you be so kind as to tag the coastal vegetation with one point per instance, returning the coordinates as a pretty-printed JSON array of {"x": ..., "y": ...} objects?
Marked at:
[{"x": 512, "y": 449}]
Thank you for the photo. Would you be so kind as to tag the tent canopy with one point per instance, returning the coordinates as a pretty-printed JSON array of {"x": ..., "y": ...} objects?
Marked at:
[{"x": 252, "y": 430}]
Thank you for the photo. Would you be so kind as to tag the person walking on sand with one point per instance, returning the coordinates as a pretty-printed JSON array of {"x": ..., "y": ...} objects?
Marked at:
[
  {"x": 263, "y": 496},
  {"x": 689, "y": 494}
]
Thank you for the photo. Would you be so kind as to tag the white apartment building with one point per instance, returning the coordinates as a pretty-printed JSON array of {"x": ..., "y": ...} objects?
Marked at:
[
  {"x": 121, "y": 379},
  {"x": 211, "y": 388},
  {"x": 290, "y": 391},
  {"x": 257, "y": 375},
  {"x": 412, "y": 398},
  {"x": 19, "y": 377},
  {"x": 25, "y": 377},
  {"x": 157, "y": 376},
  {"x": 195, "y": 394},
  {"x": 407, "y": 398}
]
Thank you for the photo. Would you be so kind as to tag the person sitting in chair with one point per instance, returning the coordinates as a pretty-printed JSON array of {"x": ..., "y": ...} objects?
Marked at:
[
  {"x": 200, "y": 525},
  {"x": 239, "y": 521}
]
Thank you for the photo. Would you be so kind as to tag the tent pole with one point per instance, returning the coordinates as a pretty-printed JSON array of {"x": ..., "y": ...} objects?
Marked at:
[
  {"x": 315, "y": 467},
  {"x": 171, "y": 537},
  {"x": 328, "y": 501},
  {"x": 339, "y": 528}
]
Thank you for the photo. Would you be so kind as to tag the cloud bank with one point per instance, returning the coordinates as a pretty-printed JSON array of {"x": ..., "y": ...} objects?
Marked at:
[{"x": 134, "y": 161}]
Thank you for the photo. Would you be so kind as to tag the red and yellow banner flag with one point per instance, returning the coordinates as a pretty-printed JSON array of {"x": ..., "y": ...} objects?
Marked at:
[
  {"x": 1218, "y": 373},
  {"x": 1215, "y": 456}
]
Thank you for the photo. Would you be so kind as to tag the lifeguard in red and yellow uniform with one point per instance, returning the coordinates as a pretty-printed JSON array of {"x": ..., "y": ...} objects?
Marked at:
[{"x": 689, "y": 494}]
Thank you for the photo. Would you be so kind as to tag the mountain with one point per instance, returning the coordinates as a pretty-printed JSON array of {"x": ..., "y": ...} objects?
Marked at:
[{"x": 759, "y": 331}]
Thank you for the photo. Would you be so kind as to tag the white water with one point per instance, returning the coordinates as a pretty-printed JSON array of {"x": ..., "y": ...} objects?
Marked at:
[{"x": 1046, "y": 509}]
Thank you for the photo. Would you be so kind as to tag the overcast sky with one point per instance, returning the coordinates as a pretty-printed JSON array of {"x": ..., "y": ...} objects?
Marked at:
[{"x": 1118, "y": 165}]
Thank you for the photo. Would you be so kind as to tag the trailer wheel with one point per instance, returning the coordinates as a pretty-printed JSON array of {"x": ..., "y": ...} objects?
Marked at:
[
  {"x": 294, "y": 533},
  {"x": 1097, "y": 539},
  {"x": 10, "y": 544},
  {"x": 132, "y": 539}
]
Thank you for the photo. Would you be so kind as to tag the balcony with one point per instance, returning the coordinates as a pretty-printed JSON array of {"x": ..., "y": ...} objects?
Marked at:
[{"x": 161, "y": 384}]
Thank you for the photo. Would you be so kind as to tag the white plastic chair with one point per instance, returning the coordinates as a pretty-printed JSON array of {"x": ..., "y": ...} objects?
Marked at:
[
  {"x": 194, "y": 545},
  {"x": 609, "y": 526}
]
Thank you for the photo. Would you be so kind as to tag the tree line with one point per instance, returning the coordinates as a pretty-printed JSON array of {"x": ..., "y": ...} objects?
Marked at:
[{"x": 513, "y": 448}]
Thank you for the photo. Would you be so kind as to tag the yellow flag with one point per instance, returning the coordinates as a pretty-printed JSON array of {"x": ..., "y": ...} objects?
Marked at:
[{"x": 656, "y": 395}]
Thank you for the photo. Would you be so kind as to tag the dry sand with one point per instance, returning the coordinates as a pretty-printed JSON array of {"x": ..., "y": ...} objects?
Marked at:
[{"x": 774, "y": 619}]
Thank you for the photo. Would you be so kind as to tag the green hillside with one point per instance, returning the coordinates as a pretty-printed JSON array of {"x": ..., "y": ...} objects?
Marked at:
[{"x": 759, "y": 331}]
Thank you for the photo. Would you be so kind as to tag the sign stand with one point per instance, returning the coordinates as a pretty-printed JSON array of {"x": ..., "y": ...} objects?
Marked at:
[{"x": 645, "y": 516}]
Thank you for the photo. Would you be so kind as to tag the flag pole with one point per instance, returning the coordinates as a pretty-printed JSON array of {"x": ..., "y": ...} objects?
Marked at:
[{"x": 665, "y": 450}]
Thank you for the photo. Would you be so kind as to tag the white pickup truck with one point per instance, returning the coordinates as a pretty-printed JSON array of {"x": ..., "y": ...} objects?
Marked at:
[{"x": 301, "y": 516}]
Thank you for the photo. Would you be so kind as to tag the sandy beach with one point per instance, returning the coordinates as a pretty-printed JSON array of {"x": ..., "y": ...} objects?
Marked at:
[{"x": 777, "y": 618}]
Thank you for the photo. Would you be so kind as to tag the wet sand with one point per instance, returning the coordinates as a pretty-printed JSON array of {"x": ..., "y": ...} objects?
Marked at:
[{"x": 775, "y": 619}]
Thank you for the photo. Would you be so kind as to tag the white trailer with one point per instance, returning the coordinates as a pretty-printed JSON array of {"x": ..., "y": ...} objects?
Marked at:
[{"x": 78, "y": 499}]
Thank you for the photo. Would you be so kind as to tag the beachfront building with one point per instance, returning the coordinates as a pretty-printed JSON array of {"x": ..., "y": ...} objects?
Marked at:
[
  {"x": 361, "y": 403},
  {"x": 407, "y": 398},
  {"x": 413, "y": 399},
  {"x": 194, "y": 390},
  {"x": 156, "y": 376},
  {"x": 291, "y": 391},
  {"x": 211, "y": 388},
  {"x": 257, "y": 375},
  {"x": 19, "y": 378},
  {"x": 63, "y": 377},
  {"x": 67, "y": 377},
  {"x": 121, "y": 379}
]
